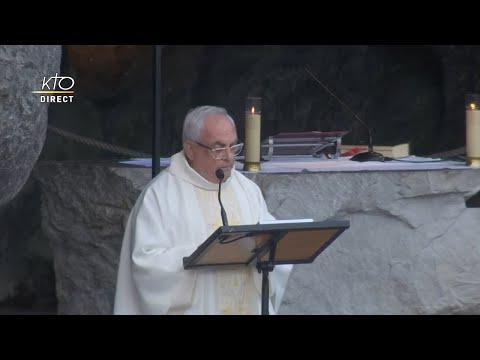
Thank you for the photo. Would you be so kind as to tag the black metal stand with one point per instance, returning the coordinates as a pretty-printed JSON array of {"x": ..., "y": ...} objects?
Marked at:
[
  {"x": 266, "y": 267},
  {"x": 157, "y": 109}
]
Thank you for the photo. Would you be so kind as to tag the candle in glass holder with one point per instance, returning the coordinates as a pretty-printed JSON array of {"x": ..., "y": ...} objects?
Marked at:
[
  {"x": 472, "y": 126},
  {"x": 252, "y": 133}
]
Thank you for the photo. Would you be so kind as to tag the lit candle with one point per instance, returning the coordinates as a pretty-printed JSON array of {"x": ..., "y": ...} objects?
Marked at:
[
  {"x": 252, "y": 134},
  {"x": 472, "y": 129}
]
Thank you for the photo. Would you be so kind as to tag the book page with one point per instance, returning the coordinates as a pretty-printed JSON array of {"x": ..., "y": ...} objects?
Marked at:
[{"x": 285, "y": 221}]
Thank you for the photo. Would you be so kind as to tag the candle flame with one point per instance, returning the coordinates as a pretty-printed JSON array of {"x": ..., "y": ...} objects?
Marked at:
[
  {"x": 253, "y": 109},
  {"x": 473, "y": 106}
]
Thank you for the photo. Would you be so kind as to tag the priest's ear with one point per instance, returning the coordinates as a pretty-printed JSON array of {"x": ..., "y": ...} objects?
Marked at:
[{"x": 188, "y": 149}]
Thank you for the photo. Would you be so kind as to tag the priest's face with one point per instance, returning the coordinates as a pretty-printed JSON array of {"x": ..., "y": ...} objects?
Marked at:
[{"x": 218, "y": 132}]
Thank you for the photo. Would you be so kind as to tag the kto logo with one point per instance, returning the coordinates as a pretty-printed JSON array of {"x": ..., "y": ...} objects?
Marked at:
[{"x": 59, "y": 85}]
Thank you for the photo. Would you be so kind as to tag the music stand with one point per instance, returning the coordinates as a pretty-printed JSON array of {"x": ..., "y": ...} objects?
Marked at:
[{"x": 269, "y": 244}]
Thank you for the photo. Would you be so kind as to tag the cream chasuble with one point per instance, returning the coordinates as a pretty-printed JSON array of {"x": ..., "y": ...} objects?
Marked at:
[{"x": 175, "y": 213}]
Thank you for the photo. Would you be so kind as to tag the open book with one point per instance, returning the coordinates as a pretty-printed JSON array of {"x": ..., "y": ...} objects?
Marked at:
[{"x": 284, "y": 221}]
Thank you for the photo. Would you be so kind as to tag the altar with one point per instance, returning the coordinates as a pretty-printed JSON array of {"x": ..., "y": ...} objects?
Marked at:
[{"x": 412, "y": 246}]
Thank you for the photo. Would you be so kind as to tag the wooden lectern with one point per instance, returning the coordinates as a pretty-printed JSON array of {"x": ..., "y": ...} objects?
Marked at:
[{"x": 268, "y": 245}]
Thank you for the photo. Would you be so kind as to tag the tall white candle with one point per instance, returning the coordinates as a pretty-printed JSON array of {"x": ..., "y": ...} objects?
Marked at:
[
  {"x": 473, "y": 132},
  {"x": 472, "y": 129},
  {"x": 252, "y": 136}
]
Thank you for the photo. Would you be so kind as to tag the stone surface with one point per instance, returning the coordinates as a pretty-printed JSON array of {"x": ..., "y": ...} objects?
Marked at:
[
  {"x": 23, "y": 120},
  {"x": 412, "y": 247},
  {"x": 27, "y": 279},
  {"x": 84, "y": 212}
]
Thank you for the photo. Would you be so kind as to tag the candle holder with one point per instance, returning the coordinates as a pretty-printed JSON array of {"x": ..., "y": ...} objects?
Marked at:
[
  {"x": 472, "y": 122},
  {"x": 253, "y": 111}
]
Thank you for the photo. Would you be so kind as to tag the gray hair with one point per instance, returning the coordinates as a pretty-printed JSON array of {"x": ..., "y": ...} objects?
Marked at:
[{"x": 193, "y": 124}]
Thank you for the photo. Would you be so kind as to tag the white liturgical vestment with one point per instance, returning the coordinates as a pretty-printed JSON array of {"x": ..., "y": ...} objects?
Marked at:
[{"x": 177, "y": 212}]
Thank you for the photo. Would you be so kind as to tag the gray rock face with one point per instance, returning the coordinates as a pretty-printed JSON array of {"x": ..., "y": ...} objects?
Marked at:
[
  {"x": 84, "y": 212},
  {"x": 23, "y": 118},
  {"x": 27, "y": 279},
  {"x": 405, "y": 93},
  {"x": 412, "y": 246}
]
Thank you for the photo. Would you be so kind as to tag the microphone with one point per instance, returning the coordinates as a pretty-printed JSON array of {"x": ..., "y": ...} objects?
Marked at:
[
  {"x": 369, "y": 155},
  {"x": 220, "y": 175}
]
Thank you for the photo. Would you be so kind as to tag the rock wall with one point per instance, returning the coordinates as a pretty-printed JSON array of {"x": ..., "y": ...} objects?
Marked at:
[
  {"x": 406, "y": 93},
  {"x": 23, "y": 120}
]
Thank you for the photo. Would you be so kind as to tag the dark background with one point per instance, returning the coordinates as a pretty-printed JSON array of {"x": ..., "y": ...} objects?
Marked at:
[{"x": 405, "y": 93}]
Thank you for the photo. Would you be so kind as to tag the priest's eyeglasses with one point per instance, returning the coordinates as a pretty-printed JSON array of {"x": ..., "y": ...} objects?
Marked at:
[{"x": 221, "y": 153}]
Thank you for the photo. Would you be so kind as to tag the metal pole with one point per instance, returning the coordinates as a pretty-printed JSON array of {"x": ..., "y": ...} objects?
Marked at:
[{"x": 157, "y": 107}]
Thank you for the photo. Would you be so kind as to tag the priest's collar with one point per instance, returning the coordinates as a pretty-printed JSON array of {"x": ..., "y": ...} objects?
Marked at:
[{"x": 180, "y": 167}]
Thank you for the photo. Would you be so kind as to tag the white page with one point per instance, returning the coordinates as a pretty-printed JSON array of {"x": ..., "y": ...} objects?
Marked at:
[{"x": 285, "y": 221}]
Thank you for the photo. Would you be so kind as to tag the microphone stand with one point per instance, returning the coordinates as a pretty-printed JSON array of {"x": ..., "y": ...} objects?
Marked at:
[
  {"x": 263, "y": 267},
  {"x": 369, "y": 155},
  {"x": 220, "y": 175}
]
